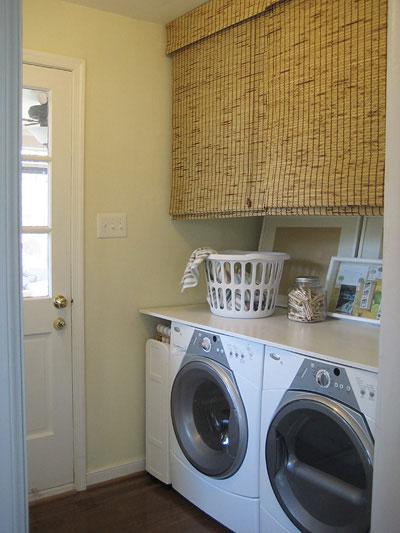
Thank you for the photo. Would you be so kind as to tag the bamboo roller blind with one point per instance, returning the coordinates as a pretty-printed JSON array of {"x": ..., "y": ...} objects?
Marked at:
[
  {"x": 209, "y": 19},
  {"x": 283, "y": 113}
]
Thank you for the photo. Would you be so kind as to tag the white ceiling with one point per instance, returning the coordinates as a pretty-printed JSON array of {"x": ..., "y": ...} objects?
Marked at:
[{"x": 157, "y": 11}]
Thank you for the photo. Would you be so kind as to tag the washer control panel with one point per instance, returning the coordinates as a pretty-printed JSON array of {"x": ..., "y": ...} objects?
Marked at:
[
  {"x": 245, "y": 358},
  {"x": 242, "y": 356},
  {"x": 241, "y": 352},
  {"x": 217, "y": 346},
  {"x": 206, "y": 344}
]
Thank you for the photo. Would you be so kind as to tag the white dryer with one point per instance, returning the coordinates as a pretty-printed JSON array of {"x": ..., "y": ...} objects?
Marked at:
[
  {"x": 316, "y": 451},
  {"x": 216, "y": 384}
]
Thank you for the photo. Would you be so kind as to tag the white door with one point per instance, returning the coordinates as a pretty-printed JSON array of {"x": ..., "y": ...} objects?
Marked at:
[{"x": 46, "y": 265}]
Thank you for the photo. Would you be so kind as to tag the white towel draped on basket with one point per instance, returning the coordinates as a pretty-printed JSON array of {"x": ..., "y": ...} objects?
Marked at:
[{"x": 191, "y": 275}]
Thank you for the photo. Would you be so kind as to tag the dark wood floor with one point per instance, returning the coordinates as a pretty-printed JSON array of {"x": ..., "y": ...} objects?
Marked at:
[{"x": 137, "y": 503}]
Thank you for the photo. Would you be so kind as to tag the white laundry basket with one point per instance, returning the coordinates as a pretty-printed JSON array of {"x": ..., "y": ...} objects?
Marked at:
[{"x": 243, "y": 284}]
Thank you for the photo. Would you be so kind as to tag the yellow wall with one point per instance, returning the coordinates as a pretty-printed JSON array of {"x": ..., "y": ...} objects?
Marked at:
[{"x": 127, "y": 170}]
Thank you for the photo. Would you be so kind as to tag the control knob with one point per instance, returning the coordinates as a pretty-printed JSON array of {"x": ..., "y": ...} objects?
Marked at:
[
  {"x": 206, "y": 344},
  {"x": 323, "y": 378}
]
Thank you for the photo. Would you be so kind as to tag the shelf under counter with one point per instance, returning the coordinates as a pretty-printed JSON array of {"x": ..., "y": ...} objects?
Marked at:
[{"x": 334, "y": 340}]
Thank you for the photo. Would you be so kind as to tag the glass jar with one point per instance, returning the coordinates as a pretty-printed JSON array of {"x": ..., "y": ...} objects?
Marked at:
[{"x": 306, "y": 300}]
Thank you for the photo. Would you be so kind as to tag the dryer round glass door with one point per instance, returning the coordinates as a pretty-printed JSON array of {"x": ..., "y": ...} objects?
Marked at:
[
  {"x": 209, "y": 418},
  {"x": 319, "y": 461}
]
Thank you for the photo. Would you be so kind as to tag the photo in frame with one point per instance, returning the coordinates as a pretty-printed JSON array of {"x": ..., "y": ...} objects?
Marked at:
[{"x": 354, "y": 289}]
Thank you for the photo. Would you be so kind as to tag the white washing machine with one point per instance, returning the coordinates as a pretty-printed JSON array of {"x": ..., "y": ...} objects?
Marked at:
[
  {"x": 316, "y": 451},
  {"x": 216, "y": 385}
]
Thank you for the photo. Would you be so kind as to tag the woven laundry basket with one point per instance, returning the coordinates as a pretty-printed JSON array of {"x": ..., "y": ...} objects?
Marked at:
[{"x": 243, "y": 284}]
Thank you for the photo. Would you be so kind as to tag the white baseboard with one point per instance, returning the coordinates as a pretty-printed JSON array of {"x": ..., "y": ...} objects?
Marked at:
[
  {"x": 98, "y": 476},
  {"x": 41, "y": 494}
]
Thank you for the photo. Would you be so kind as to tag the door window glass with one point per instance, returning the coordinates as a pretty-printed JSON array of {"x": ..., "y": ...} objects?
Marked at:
[
  {"x": 35, "y": 189},
  {"x": 208, "y": 418},
  {"x": 322, "y": 444},
  {"x": 35, "y": 193},
  {"x": 319, "y": 468},
  {"x": 211, "y": 412},
  {"x": 35, "y": 127},
  {"x": 35, "y": 264}
]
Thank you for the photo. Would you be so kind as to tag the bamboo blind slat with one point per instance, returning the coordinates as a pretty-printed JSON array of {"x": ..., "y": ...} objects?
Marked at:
[
  {"x": 283, "y": 113},
  {"x": 211, "y": 18}
]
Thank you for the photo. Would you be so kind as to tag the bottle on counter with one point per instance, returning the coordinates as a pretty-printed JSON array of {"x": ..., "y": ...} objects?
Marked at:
[{"x": 307, "y": 300}]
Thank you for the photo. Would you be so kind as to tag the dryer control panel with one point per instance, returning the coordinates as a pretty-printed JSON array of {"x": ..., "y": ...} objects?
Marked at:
[{"x": 350, "y": 386}]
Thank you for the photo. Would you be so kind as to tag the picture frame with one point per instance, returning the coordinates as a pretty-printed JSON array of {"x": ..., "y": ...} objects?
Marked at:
[
  {"x": 354, "y": 289},
  {"x": 350, "y": 229},
  {"x": 311, "y": 242}
]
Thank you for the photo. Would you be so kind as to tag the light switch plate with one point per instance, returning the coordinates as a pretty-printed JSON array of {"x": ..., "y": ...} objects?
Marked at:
[{"x": 111, "y": 225}]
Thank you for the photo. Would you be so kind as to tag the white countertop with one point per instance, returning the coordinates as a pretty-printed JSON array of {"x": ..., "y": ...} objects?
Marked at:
[{"x": 335, "y": 340}]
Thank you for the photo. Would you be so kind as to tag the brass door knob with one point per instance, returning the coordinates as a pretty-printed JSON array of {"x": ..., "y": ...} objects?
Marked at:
[
  {"x": 60, "y": 302},
  {"x": 59, "y": 323}
]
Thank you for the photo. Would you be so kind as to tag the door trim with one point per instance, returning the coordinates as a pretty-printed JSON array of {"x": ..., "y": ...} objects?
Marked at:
[
  {"x": 77, "y": 69},
  {"x": 13, "y": 480}
]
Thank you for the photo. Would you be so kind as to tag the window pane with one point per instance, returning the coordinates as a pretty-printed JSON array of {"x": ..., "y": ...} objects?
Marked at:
[
  {"x": 35, "y": 130},
  {"x": 35, "y": 264},
  {"x": 35, "y": 194}
]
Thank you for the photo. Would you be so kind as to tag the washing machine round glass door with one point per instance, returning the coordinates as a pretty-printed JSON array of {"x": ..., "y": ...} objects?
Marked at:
[
  {"x": 209, "y": 418},
  {"x": 319, "y": 460}
]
